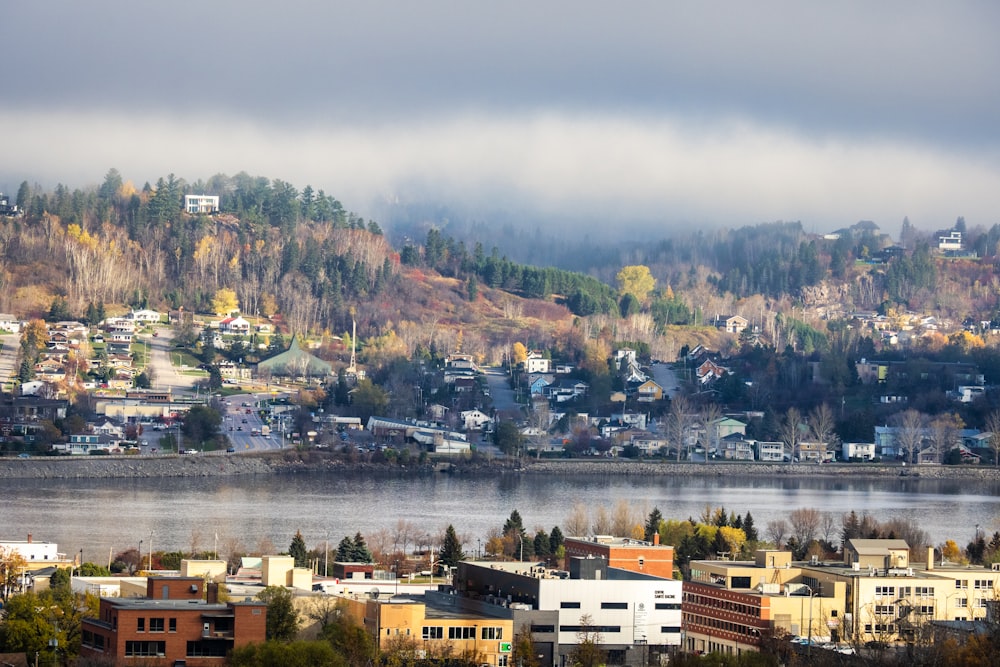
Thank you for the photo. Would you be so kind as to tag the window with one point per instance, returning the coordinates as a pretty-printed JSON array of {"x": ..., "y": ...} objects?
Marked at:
[
  {"x": 614, "y": 605},
  {"x": 961, "y": 584},
  {"x": 983, "y": 584},
  {"x": 667, "y": 605},
  {"x": 492, "y": 633},
  {"x": 569, "y": 605},
  {"x": 590, "y": 628},
  {"x": 502, "y": 660},
  {"x": 926, "y": 609},
  {"x": 543, "y": 628},
  {"x": 741, "y": 582},
  {"x": 642, "y": 562},
  {"x": 137, "y": 649},
  {"x": 156, "y": 625},
  {"x": 885, "y": 591},
  {"x": 884, "y": 610},
  {"x": 173, "y": 625},
  {"x": 433, "y": 632},
  {"x": 670, "y": 629},
  {"x": 924, "y": 591},
  {"x": 140, "y": 625},
  {"x": 463, "y": 632},
  {"x": 206, "y": 649}
]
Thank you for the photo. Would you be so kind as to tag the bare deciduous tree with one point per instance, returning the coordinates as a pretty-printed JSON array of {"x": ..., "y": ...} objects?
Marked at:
[
  {"x": 776, "y": 531},
  {"x": 909, "y": 432},
  {"x": 790, "y": 433},
  {"x": 578, "y": 521},
  {"x": 805, "y": 523}
]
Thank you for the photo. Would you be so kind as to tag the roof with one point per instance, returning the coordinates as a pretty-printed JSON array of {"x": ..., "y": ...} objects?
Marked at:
[
  {"x": 295, "y": 361},
  {"x": 877, "y": 547}
]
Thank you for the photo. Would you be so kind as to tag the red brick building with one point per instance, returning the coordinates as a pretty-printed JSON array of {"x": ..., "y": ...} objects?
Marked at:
[
  {"x": 175, "y": 623},
  {"x": 626, "y": 554}
]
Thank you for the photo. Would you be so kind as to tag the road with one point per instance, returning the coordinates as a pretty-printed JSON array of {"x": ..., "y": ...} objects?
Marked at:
[
  {"x": 165, "y": 375},
  {"x": 241, "y": 418},
  {"x": 8, "y": 356},
  {"x": 500, "y": 392}
]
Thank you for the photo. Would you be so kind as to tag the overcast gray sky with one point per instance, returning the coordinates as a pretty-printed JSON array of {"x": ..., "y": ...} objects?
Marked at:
[{"x": 702, "y": 113}]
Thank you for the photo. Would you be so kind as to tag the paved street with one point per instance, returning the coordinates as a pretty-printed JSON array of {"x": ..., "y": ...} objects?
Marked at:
[
  {"x": 8, "y": 356},
  {"x": 166, "y": 376}
]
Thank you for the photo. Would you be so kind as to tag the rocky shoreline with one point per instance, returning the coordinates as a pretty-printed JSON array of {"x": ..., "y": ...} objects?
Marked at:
[{"x": 289, "y": 462}]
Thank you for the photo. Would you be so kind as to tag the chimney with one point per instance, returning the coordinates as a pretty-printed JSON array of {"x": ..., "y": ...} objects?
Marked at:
[
  {"x": 930, "y": 558},
  {"x": 212, "y": 593},
  {"x": 656, "y": 539},
  {"x": 29, "y": 538}
]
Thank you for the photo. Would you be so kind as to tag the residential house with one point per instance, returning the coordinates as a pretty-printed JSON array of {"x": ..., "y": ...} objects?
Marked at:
[
  {"x": 566, "y": 390},
  {"x": 564, "y": 369},
  {"x": 180, "y": 621},
  {"x": 863, "y": 451},
  {"x": 734, "y": 324},
  {"x": 461, "y": 361},
  {"x": 201, "y": 204},
  {"x": 709, "y": 371},
  {"x": 647, "y": 443},
  {"x": 735, "y": 447},
  {"x": 950, "y": 240},
  {"x": 649, "y": 392},
  {"x": 35, "y": 553},
  {"x": 537, "y": 383},
  {"x": 145, "y": 316},
  {"x": 474, "y": 420},
  {"x": 814, "y": 452},
  {"x": 770, "y": 452},
  {"x": 725, "y": 426},
  {"x": 235, "y": 326},
  {"x": 536, "y": 363},
  {"x": 9, "y": 323},
  {"x": 630, "y": 419}
]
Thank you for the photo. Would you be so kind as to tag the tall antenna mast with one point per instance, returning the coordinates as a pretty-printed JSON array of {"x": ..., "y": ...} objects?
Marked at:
[{"x": 354, "y": 346}]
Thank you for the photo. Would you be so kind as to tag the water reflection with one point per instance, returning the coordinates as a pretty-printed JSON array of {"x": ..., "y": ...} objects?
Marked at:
[{"x": 106, "y": 515}]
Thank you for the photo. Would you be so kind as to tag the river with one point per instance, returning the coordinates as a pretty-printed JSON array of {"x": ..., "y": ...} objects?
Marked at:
[{"x": 103, "y": 515}]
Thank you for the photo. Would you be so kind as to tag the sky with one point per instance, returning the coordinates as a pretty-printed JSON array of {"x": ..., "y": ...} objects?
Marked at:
[{"x": 677, "y": 115}]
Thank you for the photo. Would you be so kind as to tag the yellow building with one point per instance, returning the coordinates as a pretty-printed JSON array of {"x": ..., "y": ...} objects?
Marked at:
[
  {"x": 425, "y": 628},
  {"x": 729, "y": 606},
  {"x": 892, "y": 599}
]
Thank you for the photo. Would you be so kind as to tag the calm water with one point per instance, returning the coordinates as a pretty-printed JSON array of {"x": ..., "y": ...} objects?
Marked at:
[{"x": 103, "y": 515}]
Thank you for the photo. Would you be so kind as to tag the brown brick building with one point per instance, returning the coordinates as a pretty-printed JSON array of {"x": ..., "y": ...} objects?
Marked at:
[
  {"x": 175, "y": 623},
  {"x": 626, "y": 554}
]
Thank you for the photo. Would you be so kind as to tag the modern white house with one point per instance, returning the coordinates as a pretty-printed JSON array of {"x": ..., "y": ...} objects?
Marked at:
[{"x": 201, "y": 204}]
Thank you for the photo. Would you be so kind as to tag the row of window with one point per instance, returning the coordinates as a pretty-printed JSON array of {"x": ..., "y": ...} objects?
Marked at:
[
  {"x": 695, "y": 620},
  {"x": 604, "y": 605},
  {"x": 725, "y": 605},
  {"x": 155, "y": 625},
  {"x": 139, "y": 649},
  {"x": 460, "y": 632}
]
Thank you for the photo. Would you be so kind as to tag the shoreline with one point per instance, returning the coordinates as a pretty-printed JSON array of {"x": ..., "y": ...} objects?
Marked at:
[{"x": 289, "y": 462}]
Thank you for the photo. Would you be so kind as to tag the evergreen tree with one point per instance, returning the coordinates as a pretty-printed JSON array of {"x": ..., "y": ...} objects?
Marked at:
[
  {"x": 542, "y": 544},
  {"x": 451, "y": 548},
  {"x": 359, "y": 550},
  {"x": 341, "y": 395},
  {"x": 344, "y": 550},
  {"x": 555, "y": 540},
  {"x": 748, "y": 528},
  {"x": 653, "y": 523},
  {"x": 298, "y": 550}
]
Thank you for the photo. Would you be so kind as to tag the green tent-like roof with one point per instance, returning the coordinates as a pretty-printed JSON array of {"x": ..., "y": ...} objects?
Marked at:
[{"x": 295, "y": 362}]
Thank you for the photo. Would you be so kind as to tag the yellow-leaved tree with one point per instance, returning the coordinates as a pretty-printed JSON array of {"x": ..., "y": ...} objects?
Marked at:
[
  {"x": 519, "y": 353},
  {"x": 225, "y": 302},
  {"x": 636, "y": 280}
]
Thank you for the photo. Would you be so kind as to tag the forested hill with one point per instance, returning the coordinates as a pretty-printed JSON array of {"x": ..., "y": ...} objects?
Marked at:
[{"x": 301, "y": 255}]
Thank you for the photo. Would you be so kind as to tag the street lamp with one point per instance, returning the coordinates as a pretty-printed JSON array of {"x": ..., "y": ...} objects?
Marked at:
[
  {"x": 139, "y": 567},
  {"x": 326, "y": 556}
]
